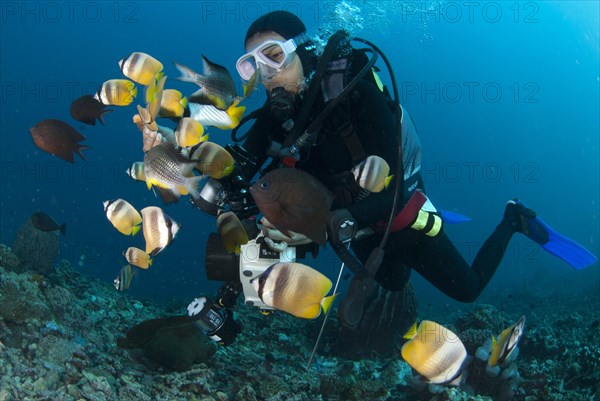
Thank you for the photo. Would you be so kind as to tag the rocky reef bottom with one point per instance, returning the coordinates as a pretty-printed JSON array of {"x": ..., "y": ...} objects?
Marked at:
[{"x": 59, "y": 333}]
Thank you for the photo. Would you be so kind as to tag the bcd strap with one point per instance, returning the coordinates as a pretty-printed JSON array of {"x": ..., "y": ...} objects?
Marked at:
[
  {"x": 409, "y": 212},
  {"x": 414, "y": 217},
  {"x": 314, "y": 88},
  {"x": 345, "y": 128}
]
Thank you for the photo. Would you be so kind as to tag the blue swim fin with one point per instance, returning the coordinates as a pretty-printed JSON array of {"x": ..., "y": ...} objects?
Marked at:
[
  {"x": 453, "y": 217},
  {"x": 553, "y": 241}
]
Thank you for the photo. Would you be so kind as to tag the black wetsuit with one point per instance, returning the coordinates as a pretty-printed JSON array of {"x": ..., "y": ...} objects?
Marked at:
[{"x": 435, "y": 258}]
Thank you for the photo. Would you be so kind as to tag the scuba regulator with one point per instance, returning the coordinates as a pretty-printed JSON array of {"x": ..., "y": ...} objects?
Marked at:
[{"x": 282, "y": 104}]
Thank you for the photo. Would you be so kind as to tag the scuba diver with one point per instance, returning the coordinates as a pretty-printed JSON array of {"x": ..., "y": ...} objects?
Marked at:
[{"x": 325, "y": 114}]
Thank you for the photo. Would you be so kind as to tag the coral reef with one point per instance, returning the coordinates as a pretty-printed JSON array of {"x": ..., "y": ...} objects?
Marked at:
[
  {"x": 20, "y": 298},
  {"x": 8, "y": 259},
  {"x": 59, "y": 332},
  {"x": 37, "y": 250}
]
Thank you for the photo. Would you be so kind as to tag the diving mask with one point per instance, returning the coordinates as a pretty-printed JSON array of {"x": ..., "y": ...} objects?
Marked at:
[{"x": 270, "y": 57}]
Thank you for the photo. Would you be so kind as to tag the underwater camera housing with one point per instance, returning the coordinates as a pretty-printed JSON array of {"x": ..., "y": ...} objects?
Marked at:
[
  {"x": 214, "y": 320},
  {"x": 255, "y": 257},
  {"x": 230, "y": 192},
  {"x": 215, "y": 317}
]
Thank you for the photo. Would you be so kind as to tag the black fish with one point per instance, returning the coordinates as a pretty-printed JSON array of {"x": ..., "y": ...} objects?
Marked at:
[
  {"x": 58, "y": 138},
  {"x": 43, "y": 222},
  {"x": 87, "y": 109}
]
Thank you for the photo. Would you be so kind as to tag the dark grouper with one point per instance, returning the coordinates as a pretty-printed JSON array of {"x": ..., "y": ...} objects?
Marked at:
[{"x": 294, "y": 200}]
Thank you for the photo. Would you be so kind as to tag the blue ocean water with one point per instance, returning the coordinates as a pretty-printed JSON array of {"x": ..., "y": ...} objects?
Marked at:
[{"x": 505, "y": 96}]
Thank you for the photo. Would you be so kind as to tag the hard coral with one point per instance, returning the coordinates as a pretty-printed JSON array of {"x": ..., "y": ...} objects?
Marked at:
[
  {"x": 8, "y": 259},
  {"x": 483, "y": 317},
  {"x": 21, "y": 299},
  {"x": 36, "y": 249}
]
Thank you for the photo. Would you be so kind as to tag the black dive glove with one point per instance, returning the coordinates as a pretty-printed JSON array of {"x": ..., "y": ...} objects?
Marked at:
[{"x": 341, "y": 226}]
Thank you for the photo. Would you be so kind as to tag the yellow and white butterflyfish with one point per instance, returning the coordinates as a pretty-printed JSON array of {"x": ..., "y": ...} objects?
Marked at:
[
  {"x": 506, "y": 343},
  {"x": 436, "y": 353},
  {"x": 141, "y": 68},
  {"x": 117, "y": 92},
  {"x": 159, "y": 229},
  {"x": 123, "y": 216},
  {"x": 212, "y": 160},
  {"x": 294, "y": 288},
  {"x": 172, "y": 104},
  {"x": 372, "y": 174},
  {"x": 154, "y": 93},
  {"x": 137, "y": 257},
  {"x": 232, "y": 232},
  {"x": 189, "y": 133}
]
